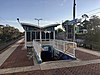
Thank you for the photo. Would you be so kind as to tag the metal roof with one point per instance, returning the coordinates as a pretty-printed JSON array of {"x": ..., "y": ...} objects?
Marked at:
[
  {"x": 28, "y": 24},
  {"x": 38, "y": 27},
  {"x": 1, "y": 25}
]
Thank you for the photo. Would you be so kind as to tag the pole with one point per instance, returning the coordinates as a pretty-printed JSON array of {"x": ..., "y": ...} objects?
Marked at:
[
  {"x": 40, "y": 29},
  {"x": 25, "y": 39},
  {"x": 24, "y": 34},
  {"x": 74, "y": 10},
  {"x": 38, "y": 20},
  {"x": 74, "y": 19}
]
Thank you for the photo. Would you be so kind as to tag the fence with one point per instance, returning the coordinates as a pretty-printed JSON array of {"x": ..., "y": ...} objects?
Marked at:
[
  {"x": 37, "y": 48},
  {"x": 60, "y": 45},
  {"x": 65, "y": 47}
]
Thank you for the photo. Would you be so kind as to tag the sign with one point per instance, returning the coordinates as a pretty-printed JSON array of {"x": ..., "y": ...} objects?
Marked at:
[{"x": 73, "y": 22}]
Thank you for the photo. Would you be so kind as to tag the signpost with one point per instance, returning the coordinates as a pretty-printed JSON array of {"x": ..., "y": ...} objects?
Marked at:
[{"x": 74, "y": 19}]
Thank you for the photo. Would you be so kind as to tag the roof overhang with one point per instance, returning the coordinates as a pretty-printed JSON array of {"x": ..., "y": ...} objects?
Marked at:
[
  {"x": 1, "y": 25},
  {"x": 38, "y": 27},
  {"x": 49, "y": 26}
]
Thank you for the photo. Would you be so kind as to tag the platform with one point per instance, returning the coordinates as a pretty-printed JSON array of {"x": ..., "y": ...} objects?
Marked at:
[{"x": 87, "y": 64}]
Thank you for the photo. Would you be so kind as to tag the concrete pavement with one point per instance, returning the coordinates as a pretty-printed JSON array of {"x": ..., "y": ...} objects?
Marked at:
[
  {"x": 97, "y": 53},
  {"x": 49, "y": 66},
  {"x": 8, "y": 52}
]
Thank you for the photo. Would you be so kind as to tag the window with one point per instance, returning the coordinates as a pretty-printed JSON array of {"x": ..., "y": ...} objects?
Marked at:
[{"x": 28, "y": 36}]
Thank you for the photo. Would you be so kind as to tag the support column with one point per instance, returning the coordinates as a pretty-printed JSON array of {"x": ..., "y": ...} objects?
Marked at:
[
  {"x": 54, "y": 35},
  {"x": 31, "y": 35},
  {"x": 45, "y": 35},
  {"x": 49, "y": 36},
  {"x": 54, "y": 39},
  {"x": 40, "y": 37},
  {"x": 35, "y": 35},
  {"x": 25, "y": 40}
]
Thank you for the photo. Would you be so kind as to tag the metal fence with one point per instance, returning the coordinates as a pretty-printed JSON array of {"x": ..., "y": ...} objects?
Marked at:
[
  {"x": 37, "y": 49},
  {"x": 65, "y": 47}
]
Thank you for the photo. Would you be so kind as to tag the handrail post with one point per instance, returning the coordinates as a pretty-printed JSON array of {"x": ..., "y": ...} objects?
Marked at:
[
  {"x": 74, "y": 49},
  {"x": 25, "y": 40},
  {"x": 64, "y": 46},
  {"x": 37, "y": 49},
  {"x": 57, "y": 44}
]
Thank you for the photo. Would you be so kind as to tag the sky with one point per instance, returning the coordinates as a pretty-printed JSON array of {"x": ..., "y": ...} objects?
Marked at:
[{"x": 51, "y": 11}]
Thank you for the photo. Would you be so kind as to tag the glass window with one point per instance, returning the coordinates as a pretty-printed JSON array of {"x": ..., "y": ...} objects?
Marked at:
[{"x": 28, "y": 36}]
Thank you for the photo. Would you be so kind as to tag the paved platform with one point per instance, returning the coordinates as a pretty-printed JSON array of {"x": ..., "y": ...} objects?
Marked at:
[
  {"x": 82, "y": 55},
  {"x": 18, "y": 57},
  {"x": 97, "y": 53},
  {"x": 75, "y": 66},
  {"x": 8, "y": 52},
  {"x": 88, "y": 63}
]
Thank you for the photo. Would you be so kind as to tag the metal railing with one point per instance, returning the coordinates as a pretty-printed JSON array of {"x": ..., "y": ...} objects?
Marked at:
[
  {"x": 37, "y": 49},
  {"x": 65, "y": 47}
]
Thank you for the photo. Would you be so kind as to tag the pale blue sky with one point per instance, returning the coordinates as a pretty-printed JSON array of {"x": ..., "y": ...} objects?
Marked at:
[{"x": 51, "y": 11}]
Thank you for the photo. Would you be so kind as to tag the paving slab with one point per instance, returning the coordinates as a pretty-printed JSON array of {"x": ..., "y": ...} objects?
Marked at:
[
  {"x": 62, "y": 67},
  {"x": 89, "y": 69},
  {"x": 83, "y": 56},
  {"x": 18, "y": 58},
  {"x": 19, "y": 69},
  {"x": 60, "y": 64},
  {"x": 8, "y": 52},
  {"x": 97, "y": 53}
]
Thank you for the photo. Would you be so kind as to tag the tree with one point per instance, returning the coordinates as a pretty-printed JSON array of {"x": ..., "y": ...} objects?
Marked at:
[
  {"x": 8, "y": 33},
  {"x": 85, "y": 22},
  {"x": 93, "y": 29},
  {"x": 59, "y": 30},
  {"x": 65, "y": 25},
  {"x": 85, "y": 16}
]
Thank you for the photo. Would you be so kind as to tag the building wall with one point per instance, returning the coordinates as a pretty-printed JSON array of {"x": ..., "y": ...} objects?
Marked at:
[{"x": 31, "y": 35}]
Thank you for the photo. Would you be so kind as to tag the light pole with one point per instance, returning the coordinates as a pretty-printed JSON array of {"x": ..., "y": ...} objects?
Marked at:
[
  {"x": 18, "y": 20},
  {"x": 40, "y": 29},
  {"x": 38, "y": 20},
  {"x": 24, "y": 34},
  {"x": 74, "y": 19}
]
